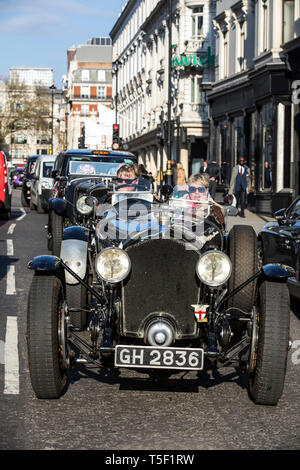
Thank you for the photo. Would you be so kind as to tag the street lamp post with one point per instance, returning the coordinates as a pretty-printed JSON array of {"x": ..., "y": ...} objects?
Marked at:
[
  {"x": 116, "y": 69},
  {"x": 52, "y": 88},
  {"x": 169, "y": 137}
]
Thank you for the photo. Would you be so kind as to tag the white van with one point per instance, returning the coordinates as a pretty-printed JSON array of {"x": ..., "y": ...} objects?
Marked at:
[{"x": 42, "y": 183}]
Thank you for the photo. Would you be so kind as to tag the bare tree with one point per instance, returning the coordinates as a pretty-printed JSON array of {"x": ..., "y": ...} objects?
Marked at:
[{"x": 25, "y": 109}]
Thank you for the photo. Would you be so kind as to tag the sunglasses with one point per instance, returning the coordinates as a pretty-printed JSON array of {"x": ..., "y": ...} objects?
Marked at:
[
  {"x": 125, "y": 180},
  {"x": 200, "y": 189}
]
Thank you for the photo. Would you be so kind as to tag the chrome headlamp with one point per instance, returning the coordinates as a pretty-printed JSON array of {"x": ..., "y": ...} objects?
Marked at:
[
  {"x": 82, "y": 207},
  {"x": 113, "y": 265},
  {"x": 214, "y": 268}
]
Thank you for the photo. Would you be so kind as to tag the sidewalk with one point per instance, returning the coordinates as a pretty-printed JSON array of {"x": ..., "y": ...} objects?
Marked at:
[{"x": 256, "y": 220}]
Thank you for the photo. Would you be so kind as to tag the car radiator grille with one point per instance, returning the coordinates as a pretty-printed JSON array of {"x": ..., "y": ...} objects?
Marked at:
[{"x": 162, "y": 279}]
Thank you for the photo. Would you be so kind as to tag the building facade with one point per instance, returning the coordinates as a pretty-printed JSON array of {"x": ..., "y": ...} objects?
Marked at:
[
  {"x": 251, "y": 107},
  {"x": 158, "y": 75},
  {"x": 88, "y": 91},
  {"x": 31, "y": 87}
]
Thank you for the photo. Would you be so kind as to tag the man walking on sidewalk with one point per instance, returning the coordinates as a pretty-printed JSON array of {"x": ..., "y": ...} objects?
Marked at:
[{"x": 240, "y": 184}]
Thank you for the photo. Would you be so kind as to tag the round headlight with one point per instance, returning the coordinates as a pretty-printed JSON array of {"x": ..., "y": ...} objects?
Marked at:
[
  {"x": 214, "y": 268},
  {"x": 113, "y": 265},
  {"x": 82, "y": 207}
]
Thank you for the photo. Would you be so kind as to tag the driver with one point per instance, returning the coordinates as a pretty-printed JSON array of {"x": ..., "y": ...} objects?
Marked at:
[{"x": 127, "y": 179}]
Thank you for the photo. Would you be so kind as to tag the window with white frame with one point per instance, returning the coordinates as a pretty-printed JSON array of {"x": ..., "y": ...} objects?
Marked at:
[
  {"x": 101, "y": 75},
  {"x": 85, "y": 92},
  {"x": 85, "y": 109},
  {"x": 265, "y": 25},
  {"x": 85, "y": 75},
  {"x": 225, "y": 54},
  {"x": 101, "y": 92},
  {"x": 240, "y": 46},
  {"x": 197, "y": 21},
  {"x": 196, "y": 94},
  {"x": 288, "y": 20}
]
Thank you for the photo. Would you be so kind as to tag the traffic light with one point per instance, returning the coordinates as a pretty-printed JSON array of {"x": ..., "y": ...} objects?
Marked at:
[{"x": 116, "y": 138}]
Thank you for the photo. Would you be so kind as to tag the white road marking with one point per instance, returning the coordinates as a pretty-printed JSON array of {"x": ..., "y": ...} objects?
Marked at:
[
  {"x": 11, "y": 229},
  {"x": 10, "y": 247},
  {"x": 23, "y": 214},
  {"x": 10, "y": 280},
  {"x": 2, "y": 353},
  {"x": 11, "y": 357}
]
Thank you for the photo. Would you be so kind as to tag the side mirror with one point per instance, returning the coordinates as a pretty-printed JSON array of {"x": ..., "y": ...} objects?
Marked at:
[
  {"x": 280, "y": 216},
  {"x": 166, "y": 191}
]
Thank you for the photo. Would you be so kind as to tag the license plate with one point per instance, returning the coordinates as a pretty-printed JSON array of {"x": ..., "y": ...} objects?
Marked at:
[{"x": 159, "y": 358}]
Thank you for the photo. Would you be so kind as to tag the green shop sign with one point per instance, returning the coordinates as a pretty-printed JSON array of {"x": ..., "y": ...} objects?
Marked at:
[{"x": 195, "y": 60}]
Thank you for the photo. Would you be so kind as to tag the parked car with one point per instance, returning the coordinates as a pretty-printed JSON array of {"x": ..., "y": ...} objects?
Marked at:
[
  {"x": 17, "y": 176},
  {"x": 42, "y": 183},
  {"x": 29, "y": 171},
  {"x": 280, "y": 242},
  {"x": 162, "y": 292},
  {"x": 72, "y": 168},
  {"x": 5, "y": 188}
]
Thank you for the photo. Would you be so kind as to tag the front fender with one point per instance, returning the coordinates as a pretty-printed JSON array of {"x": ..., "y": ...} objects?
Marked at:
[
  {"x": 73, "y": 252},
  {"x": 58, "y": 205}
]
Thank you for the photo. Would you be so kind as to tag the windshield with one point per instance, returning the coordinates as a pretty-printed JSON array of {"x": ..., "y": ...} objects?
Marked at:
[
  {"x": 295, "y": 211},
  {"x": 93, "y": 165},
  {"x": 47, "y": 167}
]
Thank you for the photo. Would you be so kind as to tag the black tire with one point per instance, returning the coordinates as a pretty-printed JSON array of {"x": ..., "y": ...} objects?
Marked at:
[
  {"x": 243, "y": 253},
  {"x": 32, "y": 206},
  {"x": 77, "y": 298},
  {"x": 48, "y": 375},
  {"x": 57, "y": 227},
  {"x": 267, "y": 378},
  {"x": 40, "y": 208},
  {"x": 6, "y": 215}
]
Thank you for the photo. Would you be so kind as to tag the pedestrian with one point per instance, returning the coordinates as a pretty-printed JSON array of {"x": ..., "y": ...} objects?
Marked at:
[
  {"x": 225, "y": 174},
  {"x": 213, "y": 170},
  {"x": 203, "y": 169},
  {"x": 181, "y": 186},
  {"x": 240, "y": 184},
  {"x": 268, "y": 176}
]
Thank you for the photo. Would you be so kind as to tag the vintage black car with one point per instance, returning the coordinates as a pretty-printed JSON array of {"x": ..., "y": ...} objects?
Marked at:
[
  {"x": 280, "y": 242},
  {"x": 26, "y": 181},
  {"x": 71, "y": 169},
  {"x": 166, "y": 288}
]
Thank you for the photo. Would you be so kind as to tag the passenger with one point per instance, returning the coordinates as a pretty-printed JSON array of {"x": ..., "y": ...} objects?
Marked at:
[
  {"x": 199, "y": 192},
  {"x": 198, "y": 188}
]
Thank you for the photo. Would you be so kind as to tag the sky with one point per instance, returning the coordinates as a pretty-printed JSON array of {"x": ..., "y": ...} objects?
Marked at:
[{"x": 39, "y": 32}]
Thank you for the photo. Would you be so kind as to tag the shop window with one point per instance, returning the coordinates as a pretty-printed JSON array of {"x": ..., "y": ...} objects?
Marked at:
[
  {"x": 239, "y": 138},
  {"x": 265, "y": 166}
]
